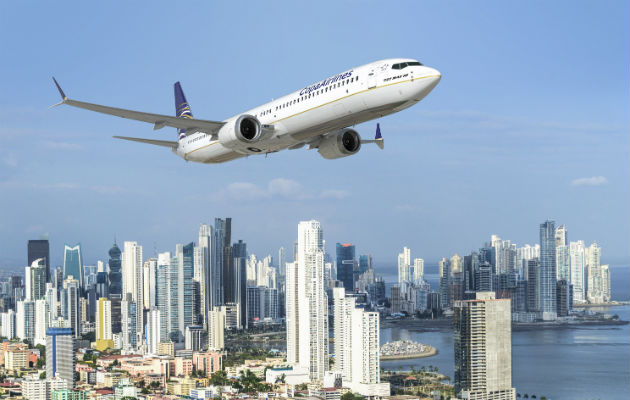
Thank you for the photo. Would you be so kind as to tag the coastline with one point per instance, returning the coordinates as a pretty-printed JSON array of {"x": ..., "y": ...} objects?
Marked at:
[{"x": 429, "y": 353}]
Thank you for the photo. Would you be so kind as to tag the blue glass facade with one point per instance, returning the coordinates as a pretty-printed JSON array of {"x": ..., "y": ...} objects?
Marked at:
[
  {"x": 547, "y": 278},
  {"x": 346, "y": 265},
  {"x": 73, "y": 263}
]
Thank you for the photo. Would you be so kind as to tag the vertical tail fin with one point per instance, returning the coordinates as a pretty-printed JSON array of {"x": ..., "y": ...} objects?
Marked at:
[{"x": 182, "y": 109}]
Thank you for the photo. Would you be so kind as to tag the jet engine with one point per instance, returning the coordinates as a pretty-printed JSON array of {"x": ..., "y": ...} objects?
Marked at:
[
  {"x": 344, "y": 143},
  {"x": 241, "y": 133}
]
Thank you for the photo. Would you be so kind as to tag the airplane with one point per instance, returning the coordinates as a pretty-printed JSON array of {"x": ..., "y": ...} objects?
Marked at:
[{"x": 319, "y": 115}]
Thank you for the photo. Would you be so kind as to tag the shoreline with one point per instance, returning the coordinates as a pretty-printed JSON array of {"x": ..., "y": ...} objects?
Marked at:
[
  {"x": 429, "y": 353},
  {"x": 428, "y": 325}
]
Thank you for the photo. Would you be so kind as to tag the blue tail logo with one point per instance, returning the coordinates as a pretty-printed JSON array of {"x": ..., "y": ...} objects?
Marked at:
[{"x": 182, "y": 109}]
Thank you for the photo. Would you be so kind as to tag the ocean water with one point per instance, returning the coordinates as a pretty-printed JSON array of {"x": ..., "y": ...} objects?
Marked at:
[{"x": 583, "y": 362}]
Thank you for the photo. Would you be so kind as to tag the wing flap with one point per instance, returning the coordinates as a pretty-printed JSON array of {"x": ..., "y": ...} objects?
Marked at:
[{"x": 164, "y": 143}]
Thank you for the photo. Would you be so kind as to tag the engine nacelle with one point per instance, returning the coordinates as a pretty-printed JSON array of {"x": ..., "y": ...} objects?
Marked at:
[
  {"x": 241, "y": 133},
  {"x": 344, "y": 143}
]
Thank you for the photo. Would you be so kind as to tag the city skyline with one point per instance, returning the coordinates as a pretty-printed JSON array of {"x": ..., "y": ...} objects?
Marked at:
[{"x": 513, "y": 120}]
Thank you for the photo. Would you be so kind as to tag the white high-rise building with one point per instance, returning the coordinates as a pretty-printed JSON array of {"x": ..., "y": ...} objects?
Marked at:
[
  {"x": 216, "y": 328},
  {"x": 149, "y": 281},
  {"x": 357, "y": 346},
  {"x": 41, "y": 321},
  {"x": 577, "y": 271},
  {"x": 307, "y": 304},
  {"x": 133, "y": 282},
  {"x": 605, "y": 283},
  {"x": 203, "y": 270},
  {"x": 404, "y": 266},
  {"x": 561, "y": 236},
  {"x": 153, "y": 331},
  {"x": 8, "y": 324},
  {"x": 418, "y": 271},
  {"x": 25, "y": 320},
  {"x": 483, "y": 348},
  {"x": 523, "y": 255},
  {"x": 593, "y": 256}
]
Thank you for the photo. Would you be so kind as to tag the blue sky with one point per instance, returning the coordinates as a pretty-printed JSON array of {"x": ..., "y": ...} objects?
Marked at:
[{"x": 529, "y": 122}]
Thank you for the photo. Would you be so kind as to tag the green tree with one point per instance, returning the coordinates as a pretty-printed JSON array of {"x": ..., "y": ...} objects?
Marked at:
[
  {"x": 42, "y": 375},
  {"x": 347, "y": 396}
]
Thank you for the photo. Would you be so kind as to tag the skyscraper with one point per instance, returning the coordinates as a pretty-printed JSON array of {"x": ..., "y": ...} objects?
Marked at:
[
  {"x": 307, "y": 304},
  {"x": 404, "y": 266},
  {"x": 60, "y": 356},
  {"x": 577, "y": 269},
  {"x": 346, "y": 265},
  {"x": 104, "y": 334},
  {"x": 221, "y": 249},
  {"x": 282, "y": 260},
  {"x": 594, "y": 271},
  {"x": 133, "y": 283},
  {"x": 357, "y": 346},
  {"x": 483, "y": 348},
  {"x": 216, "y": 328},
  {"x": 239, "y": 279},
  {"x": 115, "y": 286},
  {"x": 129, "y": 311},
  {"x": 39, "y": 249},
  {"x": 203, "y": 271},
  {"x": 418, "y": 271},
  {"x": 115, "y": 275},
  {"x": 548, "y": 270},
  {"x": 153, "y": 338},
  {"x": 445, "y": 282},
  {"x": 70, "y": 303},
  {"x": 35, "y": 280},
  {"x": 73, "y": 263}
]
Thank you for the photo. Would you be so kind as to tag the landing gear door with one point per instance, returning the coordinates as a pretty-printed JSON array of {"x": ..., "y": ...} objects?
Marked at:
[{"x": 371, "y": 81}]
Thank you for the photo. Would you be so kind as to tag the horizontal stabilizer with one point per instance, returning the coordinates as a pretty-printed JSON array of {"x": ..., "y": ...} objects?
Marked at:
[
  {"x": 164, "y": 143},
  {"x": 378, "y": 139}
]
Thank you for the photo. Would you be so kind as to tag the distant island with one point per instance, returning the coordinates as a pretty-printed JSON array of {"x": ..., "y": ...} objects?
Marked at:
[{"x": 406, "y": 349}]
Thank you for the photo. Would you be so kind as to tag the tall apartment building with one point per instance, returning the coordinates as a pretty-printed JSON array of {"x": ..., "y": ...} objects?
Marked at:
[
  {"x": 404, "y": 266},
  {"x": 483, "y": 348},
  {"x": 216, "y": 328},
  {"x": 548, "y": 277},
  {"x": 60, "y": 356},
  {"x": 357, "y": 346},
  {"x": 133, "y": 283},
  {"x": 104, "y": 335},
  {"x": 307, "y": 304}
]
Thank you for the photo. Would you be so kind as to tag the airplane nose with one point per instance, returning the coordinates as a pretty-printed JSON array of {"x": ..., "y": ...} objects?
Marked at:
[{"x": 434, "y": 73}]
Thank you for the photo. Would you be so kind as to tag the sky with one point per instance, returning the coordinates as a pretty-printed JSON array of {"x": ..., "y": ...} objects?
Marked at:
[{"x": 529, "y": 122}]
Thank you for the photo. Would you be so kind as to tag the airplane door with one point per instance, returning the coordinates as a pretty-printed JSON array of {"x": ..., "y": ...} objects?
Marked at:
[{"x": 371, "y": 82}]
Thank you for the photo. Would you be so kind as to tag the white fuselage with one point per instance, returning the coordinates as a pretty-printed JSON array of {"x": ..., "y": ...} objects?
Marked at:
[{"x": 351, "y": 97}]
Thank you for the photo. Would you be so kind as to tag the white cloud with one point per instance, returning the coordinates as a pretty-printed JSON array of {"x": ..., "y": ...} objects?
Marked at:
[{"x": 592, "y": 181}]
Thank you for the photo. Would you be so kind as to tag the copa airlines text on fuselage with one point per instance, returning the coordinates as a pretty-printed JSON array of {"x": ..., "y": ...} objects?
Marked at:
[{"x": 319, "y": 115}]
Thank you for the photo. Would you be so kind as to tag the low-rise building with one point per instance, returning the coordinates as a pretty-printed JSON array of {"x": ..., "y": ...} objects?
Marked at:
[
  {"x": 16, "y": 359},
  {"x": 208, "y": 362}
]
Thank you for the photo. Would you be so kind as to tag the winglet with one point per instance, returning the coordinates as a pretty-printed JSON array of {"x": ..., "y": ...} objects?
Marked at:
[{"x": 63, "y": 95}]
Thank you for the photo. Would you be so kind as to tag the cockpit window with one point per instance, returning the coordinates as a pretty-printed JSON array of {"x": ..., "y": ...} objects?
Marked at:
[{"x": 405, "y": 64}]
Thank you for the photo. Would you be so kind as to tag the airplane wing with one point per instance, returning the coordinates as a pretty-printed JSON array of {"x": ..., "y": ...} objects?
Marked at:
[
  {"x": 159, "y": 121},
  {"x": 164, "y": 143}
]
